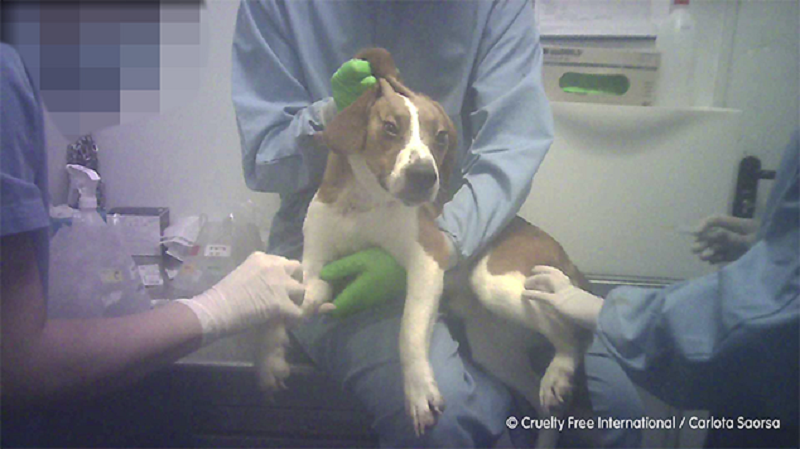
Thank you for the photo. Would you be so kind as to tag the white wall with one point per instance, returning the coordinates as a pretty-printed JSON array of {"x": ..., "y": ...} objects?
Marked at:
[
  {"x": 764, "y": 75},
  {"x": 189, "y": 159},
  {"x": 748, "y": 58}
]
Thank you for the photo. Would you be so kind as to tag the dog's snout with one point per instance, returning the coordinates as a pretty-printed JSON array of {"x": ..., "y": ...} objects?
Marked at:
[{"x": 421, "y": 175}]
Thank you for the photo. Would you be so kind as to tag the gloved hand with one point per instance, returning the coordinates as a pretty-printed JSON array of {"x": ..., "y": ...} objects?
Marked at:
[
  {"x": 263, "y": 288},
  {"x": 723, "y": 238},
  {"x": 366, "y": 278},
  {"x": 352, "y": 79},
  {"x": 548, "y": 285}
]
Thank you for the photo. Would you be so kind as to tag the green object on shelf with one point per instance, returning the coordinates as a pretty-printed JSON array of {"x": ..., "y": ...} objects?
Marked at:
[{"x": 594, "y": 84}]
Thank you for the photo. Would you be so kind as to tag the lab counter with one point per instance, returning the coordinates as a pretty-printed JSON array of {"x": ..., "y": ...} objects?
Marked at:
[
  {"x": 314, "y": 411},
  {"x": 211, "y": 399},
  {"x": 207, "y": 399},
  {"x": 229, "y": 409}
]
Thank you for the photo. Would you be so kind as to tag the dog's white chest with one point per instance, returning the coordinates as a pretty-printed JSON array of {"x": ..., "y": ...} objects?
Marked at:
[{"x": 354, "y": 223}]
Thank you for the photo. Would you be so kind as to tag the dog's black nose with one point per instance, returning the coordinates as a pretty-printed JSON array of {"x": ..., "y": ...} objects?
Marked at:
[{"x": 421, "y": 176}]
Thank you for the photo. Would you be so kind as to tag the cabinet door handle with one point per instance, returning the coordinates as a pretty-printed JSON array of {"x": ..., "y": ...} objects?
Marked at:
[{"x": 750, "y": 172}]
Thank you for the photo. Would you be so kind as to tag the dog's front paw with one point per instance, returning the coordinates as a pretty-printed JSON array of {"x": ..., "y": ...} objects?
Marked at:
[
  {"x": 318, "y": 292},
  {"x": 271, "y": 365},
  {"x": 424, "y": 402},
  {"x": 555, "y": 391},
  {"x": 273, "y": 372}
]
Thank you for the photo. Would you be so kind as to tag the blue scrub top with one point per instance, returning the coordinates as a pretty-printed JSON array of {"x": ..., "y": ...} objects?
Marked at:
[
  {"x": 729, "y": 340},
  {"x": 23, "y": 160},
  {"x": 481, "y": 60}
]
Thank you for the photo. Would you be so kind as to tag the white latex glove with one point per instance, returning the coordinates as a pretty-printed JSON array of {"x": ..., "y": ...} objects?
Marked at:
[
  {"x": 723, "y": 238},
  {"x": 550, "y": 286},
  {"x": 263, "y": 288}
]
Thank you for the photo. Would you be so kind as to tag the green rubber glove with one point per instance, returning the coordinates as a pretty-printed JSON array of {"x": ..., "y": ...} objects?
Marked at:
[
  {"x": 352, "y": 79},
  {"x": 363, "y": 280}
]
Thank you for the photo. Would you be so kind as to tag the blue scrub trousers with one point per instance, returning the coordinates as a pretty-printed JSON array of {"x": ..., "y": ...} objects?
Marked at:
[
  {"x": 612, "y": 395},
  {"x": 361, "y": 352}
]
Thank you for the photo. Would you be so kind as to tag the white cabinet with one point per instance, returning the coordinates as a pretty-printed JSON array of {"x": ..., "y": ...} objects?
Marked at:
[{"x": 620, "y": 181}]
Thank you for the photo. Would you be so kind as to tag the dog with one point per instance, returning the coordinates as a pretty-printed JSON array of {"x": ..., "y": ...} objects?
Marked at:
[{"x": 391, "y": 153}]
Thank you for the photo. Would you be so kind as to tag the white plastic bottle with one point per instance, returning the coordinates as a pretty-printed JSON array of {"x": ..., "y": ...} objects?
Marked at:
[
  {"x": 85, "y": 180},
  {"x": 676, "y": 42},
  {"x": 90, "y": 267}
]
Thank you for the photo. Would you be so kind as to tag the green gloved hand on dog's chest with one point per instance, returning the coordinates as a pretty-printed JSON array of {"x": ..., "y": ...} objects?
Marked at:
[
  {"x": 363, "y": 280},
  {"x": 352, "y": 79}
]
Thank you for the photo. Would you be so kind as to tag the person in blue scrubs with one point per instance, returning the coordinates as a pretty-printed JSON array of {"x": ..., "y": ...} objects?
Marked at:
[
  {"x": 52, "y": 359},
  {"x": 483, "y": 62},
  {"x": 727, "y": 342}
]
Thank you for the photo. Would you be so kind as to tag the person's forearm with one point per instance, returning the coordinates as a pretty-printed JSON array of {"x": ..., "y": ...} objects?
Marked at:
[
  {"x": 99, "y": 354},
  {"x": 285, "y": 158}
]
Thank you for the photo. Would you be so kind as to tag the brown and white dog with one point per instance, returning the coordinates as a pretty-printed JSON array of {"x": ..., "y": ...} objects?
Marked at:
[{"x": 391, "y": 153}]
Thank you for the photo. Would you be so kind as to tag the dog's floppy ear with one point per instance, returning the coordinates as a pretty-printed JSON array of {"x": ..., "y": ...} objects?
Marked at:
[
  {"x": 399, "y": 87},
  {"x": 346, "y": 133},
  {"x": 382, "y": 65},
  {"x": 448, "y": 163},
  {"x": 380, "y": 62}
]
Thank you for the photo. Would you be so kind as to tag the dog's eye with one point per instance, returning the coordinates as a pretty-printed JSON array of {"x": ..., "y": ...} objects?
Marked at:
[
  {"x": 390, "y": 128},
  {"x": 442, "y": 139}
]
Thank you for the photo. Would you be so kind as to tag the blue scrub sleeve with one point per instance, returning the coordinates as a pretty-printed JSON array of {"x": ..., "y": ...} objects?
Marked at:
[
  {"x": 511, "y": 126},
  {"x": 276, "y": 115},
  {"x": 785, "y": 176},
  {"x": 23, "y": 160},
  {"x": 23, "y": 170},
  {"x": 730, "y": 339}
]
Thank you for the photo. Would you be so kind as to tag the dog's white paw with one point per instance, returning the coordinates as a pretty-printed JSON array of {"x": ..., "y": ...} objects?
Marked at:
[
  {"x": 271, "y": 365},
  {"x": 424, "y": 402},
  {"x": 318, "y": 292},
  {"x": 273, "y": 372},
  {"x": 555, "y": 390}
]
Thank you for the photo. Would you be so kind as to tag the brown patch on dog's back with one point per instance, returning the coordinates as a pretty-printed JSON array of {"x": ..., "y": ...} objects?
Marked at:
[{"x": 522, "y": 246}]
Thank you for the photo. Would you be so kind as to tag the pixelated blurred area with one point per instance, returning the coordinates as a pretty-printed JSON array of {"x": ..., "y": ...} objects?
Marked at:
[{"x": 104, "y": 63}]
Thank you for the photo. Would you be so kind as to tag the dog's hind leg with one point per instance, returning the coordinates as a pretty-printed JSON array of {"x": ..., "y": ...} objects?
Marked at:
[
  {"x": 501, "y": 295},
  {"x": 556, "y": 389},
  {"x": 486, "y": 333}
]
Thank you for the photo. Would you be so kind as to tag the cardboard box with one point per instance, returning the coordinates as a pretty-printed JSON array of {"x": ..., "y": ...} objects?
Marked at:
[{"x": 600, "y": 75}]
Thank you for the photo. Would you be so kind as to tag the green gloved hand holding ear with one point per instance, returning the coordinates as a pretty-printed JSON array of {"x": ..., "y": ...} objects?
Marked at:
[
  {"x": 363, "y": 280},
  {"x": 352, "y": 79}
]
